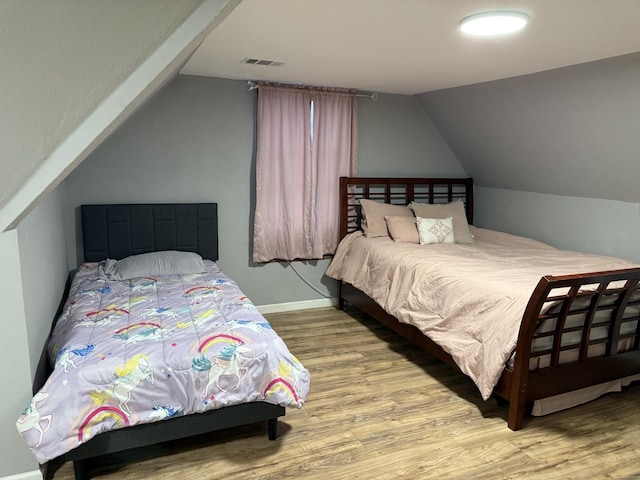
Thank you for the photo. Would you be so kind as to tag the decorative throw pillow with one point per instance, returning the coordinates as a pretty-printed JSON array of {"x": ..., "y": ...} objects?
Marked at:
[
  {"x": 373, "y": 223},
  {"x": 454, "y": 210},
  {"x": 168, "y": 262},
  {"x": 402, "y": 229},
  {"x": 435, "y": 230}
]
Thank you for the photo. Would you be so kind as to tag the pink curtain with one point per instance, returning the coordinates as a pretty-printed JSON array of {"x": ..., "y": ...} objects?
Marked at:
[{"x": 307, "y": 139}]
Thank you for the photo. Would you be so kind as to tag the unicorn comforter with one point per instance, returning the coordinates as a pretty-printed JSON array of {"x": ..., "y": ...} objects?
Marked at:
[{"x": 142, "y": 350}]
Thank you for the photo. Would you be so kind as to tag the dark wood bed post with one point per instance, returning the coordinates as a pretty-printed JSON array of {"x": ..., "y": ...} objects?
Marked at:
[
  {"x": 342, "y": 231},
  {"x": 469, "y": 200},
  {"x": 517, "y": 394}
]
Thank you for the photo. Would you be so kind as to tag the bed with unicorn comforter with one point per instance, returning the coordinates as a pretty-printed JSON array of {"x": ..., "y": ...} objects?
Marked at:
[{"x": 145, "y": 349}]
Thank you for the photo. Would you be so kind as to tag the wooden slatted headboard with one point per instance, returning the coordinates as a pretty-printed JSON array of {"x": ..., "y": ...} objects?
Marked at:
[{"x": 399, "y": 191}]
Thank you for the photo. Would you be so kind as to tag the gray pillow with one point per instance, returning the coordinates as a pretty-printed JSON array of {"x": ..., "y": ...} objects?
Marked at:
[
  {"x": 152, "y": 264},
  {"x": 373, "y": 223}
]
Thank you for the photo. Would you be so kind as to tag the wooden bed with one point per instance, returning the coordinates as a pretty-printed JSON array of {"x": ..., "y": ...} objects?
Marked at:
[
  {"x": 518, "y": 385},
  {"x": 118, "y": 231}
]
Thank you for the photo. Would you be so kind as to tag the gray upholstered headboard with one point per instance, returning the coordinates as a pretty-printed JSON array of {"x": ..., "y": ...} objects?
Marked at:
[{"x": 119, "y": 230}]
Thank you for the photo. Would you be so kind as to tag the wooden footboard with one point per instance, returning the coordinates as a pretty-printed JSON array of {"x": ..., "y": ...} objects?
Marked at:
[{"x": 577, "y": 331}]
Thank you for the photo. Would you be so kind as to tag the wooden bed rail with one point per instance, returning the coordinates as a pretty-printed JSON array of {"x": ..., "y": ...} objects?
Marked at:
[{"x": 590, "y": 335}]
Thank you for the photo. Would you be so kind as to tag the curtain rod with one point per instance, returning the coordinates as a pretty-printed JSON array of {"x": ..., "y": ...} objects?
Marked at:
[{"x": 373, "y": 96}]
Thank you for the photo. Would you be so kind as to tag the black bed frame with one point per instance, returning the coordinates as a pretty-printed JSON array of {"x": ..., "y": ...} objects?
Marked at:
[{"x": 117, "y": 231}]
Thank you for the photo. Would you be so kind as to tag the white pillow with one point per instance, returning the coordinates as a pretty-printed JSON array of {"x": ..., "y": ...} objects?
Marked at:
[
  {"x": 168, "y": 262},
  {"x": 435, "y": 230}
]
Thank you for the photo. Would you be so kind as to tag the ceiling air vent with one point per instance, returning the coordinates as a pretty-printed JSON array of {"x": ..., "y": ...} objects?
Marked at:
[{"x": 258, "y": 61}]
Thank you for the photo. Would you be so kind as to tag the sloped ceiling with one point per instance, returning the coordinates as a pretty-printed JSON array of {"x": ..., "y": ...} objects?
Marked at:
[
  {"x": 570, "y": 131},
  {"x": 63, "y": 60},
  {"x": 68, "y": 65},
  {"x": 66, "y": 57}
]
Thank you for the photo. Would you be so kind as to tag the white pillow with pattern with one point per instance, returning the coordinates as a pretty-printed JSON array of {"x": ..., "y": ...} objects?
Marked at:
[{"x": 435, "y": 230}]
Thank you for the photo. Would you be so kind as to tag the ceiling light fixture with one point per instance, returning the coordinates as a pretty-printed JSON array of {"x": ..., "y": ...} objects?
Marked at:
[{"x": 493, "y": 23}]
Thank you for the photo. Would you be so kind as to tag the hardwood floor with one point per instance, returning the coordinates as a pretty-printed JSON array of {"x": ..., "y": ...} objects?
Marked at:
[{"x": 379, "y": 408}]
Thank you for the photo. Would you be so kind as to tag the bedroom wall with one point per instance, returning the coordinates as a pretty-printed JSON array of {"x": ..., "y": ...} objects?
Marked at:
[
  {"x": 569, "y": 136},
  {"x": 397, "y": 138},
  {"x": 194, "y": 141},
  {"x": 606, "y": 227},
  {"x": 15, "y": 376},
  {"x": 33, "y": 267},
  {"x": 45, "y": 266}
]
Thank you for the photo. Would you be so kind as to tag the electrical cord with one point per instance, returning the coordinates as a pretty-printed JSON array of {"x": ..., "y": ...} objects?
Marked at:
[{"x": 313, "y": 287}]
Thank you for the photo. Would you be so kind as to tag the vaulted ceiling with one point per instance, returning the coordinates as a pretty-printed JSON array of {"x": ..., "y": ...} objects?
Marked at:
[{"x": 73, "y": 71}]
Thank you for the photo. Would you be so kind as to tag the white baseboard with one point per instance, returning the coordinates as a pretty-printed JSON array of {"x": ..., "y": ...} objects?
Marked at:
[
  {"x": 32, "y": 475},
  {"x": 301, "y": 305}
]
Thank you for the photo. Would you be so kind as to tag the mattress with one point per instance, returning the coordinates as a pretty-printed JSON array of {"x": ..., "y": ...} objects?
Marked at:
[
  {"x": 146, "y": 349},
  {"x": 469, "y": 299}
]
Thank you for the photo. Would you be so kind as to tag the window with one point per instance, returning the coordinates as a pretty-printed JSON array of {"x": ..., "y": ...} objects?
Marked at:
[{"x": 307, "y": 140}]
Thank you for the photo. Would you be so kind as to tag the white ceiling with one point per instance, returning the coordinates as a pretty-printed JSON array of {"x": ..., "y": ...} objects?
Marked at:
[{"x": 409, "y": 46}]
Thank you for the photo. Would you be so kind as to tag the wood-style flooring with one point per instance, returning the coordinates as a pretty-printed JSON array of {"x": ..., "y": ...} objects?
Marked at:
[{"x": 379, "y": 408}]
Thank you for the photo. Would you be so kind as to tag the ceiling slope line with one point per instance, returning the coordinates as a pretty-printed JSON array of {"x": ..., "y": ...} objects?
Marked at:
[{"x": 153, "y": 73}]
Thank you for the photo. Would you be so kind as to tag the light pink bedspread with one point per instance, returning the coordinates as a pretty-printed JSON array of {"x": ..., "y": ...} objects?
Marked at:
[{"x": 469, "y": 299}]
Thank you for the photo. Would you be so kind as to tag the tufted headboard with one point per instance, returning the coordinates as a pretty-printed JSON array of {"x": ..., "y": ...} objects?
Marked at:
[{"x": 120, "y": 230}]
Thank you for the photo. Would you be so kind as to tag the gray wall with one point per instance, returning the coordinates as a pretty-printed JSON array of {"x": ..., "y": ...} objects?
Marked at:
[
  {"x": 606, "y": 227},
  {"x": 571, "y": 131},
  {"x": 194, "y": 141},
  {"x": 44, "y": 265},
  {"x": 554, "y": 155},
  {"x": 397, "y": 138},
  {"x": 15, "y": 377},
  {"x": 33, "y": 267}
]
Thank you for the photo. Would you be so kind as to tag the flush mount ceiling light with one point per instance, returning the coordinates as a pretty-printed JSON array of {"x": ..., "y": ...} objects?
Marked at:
[{"x": 493, "y": 23}]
